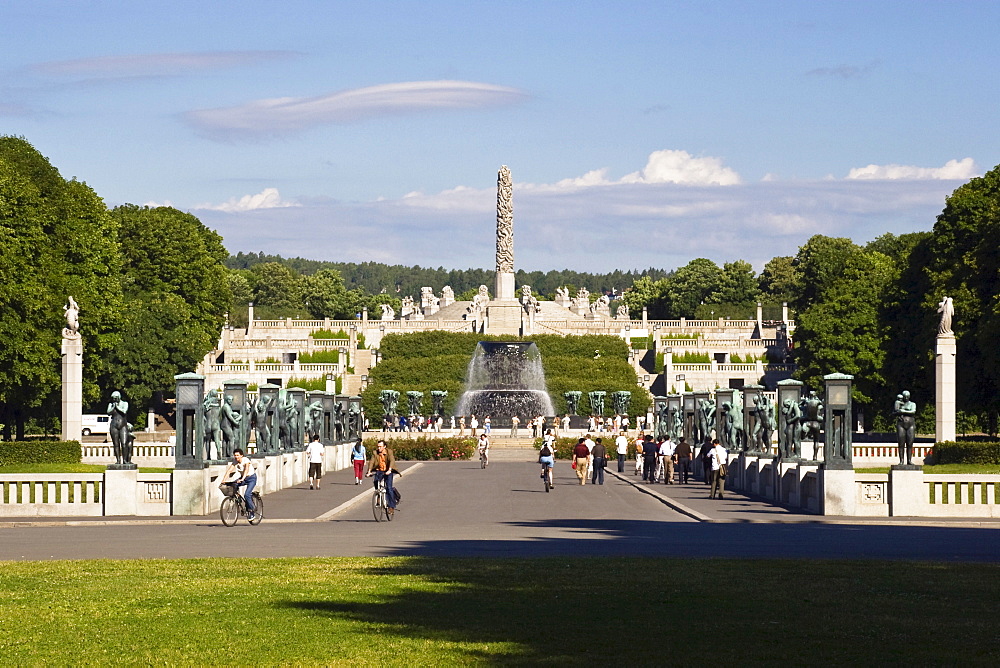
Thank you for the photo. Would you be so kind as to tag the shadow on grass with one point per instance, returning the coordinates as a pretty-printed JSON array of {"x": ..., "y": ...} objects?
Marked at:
[{"x": 623, "y": 611}]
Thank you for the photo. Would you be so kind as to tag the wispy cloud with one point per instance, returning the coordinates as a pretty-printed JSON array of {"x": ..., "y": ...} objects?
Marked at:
[
  {"x": 844, "y": 71},
  {"x": 280, "y": 116},
  {"x": 155, "y": 64},
  {"x": 953, "y": 169},
  {"x": 14, "y": 109},
  {"x": 591, "y": 221},
  {"x": 268, "y": 198}
]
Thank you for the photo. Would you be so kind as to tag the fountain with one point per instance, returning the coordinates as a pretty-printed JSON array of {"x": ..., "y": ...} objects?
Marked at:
[{"x": 505, "y": 379}]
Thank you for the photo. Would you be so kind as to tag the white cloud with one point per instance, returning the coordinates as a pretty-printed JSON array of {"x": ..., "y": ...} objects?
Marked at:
[
  {"x": 156, "y": 64},
  {"x": 278, "y": 116},
  {"x": 953, "y": 169},
  {"x": 154, "y": 205},
  {"x": 268, "y": 198},
  {"x": 681, "y": 167}
]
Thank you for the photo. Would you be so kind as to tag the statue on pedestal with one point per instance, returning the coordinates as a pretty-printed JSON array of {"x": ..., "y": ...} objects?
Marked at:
[
  {"x": 947, "y": 310},
  {"x": 791, "y": 444},
  {"x": 314, "y": 419},
  {"x": 572, "y": 401},
  {"x": 812, "y": 420},
  {"x": 260, "y": 408},
  {"x": 119, "y": 429},
  {"x": 229, "y": 421},
  {"x": 72, "y": 311},
  {"x": 905, "y": 412},
  {"x": 211, "y": 410}
]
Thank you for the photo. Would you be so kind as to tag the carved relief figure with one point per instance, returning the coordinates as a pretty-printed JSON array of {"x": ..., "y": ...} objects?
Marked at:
[
  {"x": 947, "y": 310},
  {"x": 72, "y": 312},
  {"x": 505, "y": 221}
]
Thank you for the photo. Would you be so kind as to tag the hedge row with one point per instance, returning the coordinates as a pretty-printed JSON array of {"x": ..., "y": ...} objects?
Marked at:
[
  {"x": 982, "y": 452},
  {"x": 426, "y": 448},
  {"x": 40, "y": 452}
]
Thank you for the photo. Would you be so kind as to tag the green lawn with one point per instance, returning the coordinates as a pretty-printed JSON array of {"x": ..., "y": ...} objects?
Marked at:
[{"x": 417, "y": 611}]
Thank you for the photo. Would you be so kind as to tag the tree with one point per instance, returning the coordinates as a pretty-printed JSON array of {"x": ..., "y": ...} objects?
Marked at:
[
  {"x": 278, "y": 287},
  {"x": 779, "y": 281},
  {"x": 819, "y": 262},
  {"x": 738, "y": 285},
  {"x": 649, "y": 294},
  {"x": 842, "y": 331},
  {"x": 56, "y": 240},
  {"x": 177, "y": 292},
  {"x": 324, "y": 295},
  {"x": 694, "y": 283}
]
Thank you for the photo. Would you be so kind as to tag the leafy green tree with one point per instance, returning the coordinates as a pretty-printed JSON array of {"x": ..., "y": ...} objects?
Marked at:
[
  {"x": 779, "y": 281},
  {"x": 738, "y": 285},
  {"x": 324, "y": 295},
  {"x": 56, "y": 240},
  {"x": 842, "y": 331},
  {"x": 819, "y": 262},
  {"x": 177, "y": 292},
  {"x": 693, "y": 284},
  {"x": 649, "y": 294},
  {"x": 278, "y": 287}
]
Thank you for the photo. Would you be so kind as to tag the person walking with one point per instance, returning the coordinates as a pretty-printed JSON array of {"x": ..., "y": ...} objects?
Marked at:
[
  {"x": 473, "y": 425},
  {"x": 667, "y": 461},
  {"x": 487, "y": 425},
  {"x": 600, "y": 460},
  {"x": 706, "y": 460},
  {"x": 358, "y": 458},
  {"x": 719, "y": 458},
  {"x": 581, "y": 459},
  {"x": 514, "y": 423},
  {"x": 649, "y": 450},
  {"x": 682, "y": 454},
  {"x": 621, "y": 446},
  {"x": 314, "y": 453}
]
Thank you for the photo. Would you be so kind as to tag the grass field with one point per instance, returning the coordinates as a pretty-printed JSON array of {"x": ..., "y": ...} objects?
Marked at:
[{"x": 418, "y": 611}]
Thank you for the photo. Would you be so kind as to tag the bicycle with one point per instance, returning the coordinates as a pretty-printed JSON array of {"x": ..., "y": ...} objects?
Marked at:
[
  {"x": 234, "y": 506},
  {"x": 380, "y": 502},
  {"x": 547, "y": 477}
]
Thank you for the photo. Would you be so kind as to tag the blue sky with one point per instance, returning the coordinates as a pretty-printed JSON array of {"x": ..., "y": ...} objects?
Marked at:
[{"x": 638, "y": 134}]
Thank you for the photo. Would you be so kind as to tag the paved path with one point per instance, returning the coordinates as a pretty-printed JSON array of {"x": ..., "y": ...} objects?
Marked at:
[{"x": 458, "y": 509}]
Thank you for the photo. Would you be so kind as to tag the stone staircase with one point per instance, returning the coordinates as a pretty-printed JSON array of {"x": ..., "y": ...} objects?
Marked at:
[{"x": 504, "y": 448}]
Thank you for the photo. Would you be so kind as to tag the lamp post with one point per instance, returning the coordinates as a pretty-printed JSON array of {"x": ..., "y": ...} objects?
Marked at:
[
  {"x": 838, "y": 443},
  {"x": 187, "y": 450}
]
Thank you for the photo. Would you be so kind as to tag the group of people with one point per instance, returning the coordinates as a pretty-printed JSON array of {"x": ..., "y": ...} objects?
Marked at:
[{"x": 658, "y": 459}]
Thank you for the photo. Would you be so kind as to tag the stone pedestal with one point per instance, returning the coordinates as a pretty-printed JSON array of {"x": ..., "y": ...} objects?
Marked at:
[
  {"x": 907, "y": 496},
  {"x": 189, "y": 492},
  {"x": 944, "y": 388},
  {"x": 72, "y": 388},
  {"x": 120, "y": 489},
  {"x": 503, "y": 318},
  {"x": 505, "y": 286},
  {"x": 839, "y": 491}
]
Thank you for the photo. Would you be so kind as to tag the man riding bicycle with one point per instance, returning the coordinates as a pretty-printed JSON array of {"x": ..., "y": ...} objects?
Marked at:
[
  {"x": 246, "y": 474},
  {"x": 381, "y": 465}
]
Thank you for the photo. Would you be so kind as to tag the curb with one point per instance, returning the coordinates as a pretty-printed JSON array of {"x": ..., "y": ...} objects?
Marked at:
[{"x": 665, "y": 500}]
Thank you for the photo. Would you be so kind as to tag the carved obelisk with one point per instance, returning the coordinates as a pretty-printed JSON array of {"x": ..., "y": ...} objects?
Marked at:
[
  {"x": 505, "y": 237},
  {"x": 503, "y": 313}
]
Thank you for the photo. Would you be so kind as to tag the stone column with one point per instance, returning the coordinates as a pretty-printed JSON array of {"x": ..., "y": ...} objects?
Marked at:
[
  {"x": 505, "y": 237},
  {"x": 72, "y": 386},
  {"x": 944, "y": 386}
]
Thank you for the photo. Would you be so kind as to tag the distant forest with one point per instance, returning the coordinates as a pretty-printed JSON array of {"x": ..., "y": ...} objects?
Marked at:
[{"x": 377, "y": 278}]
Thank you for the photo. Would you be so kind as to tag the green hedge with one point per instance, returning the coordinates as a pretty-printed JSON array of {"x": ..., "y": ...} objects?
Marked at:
[
  {"x": 981, "y": 452},
  {"x": 40, "y": 452},
  {"x": 426, "y": 448}
]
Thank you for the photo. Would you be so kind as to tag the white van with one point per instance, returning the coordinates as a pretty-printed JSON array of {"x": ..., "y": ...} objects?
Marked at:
[{"x": 96, "y": 424}]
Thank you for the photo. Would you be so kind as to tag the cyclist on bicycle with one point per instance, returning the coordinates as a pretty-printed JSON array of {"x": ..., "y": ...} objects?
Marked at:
[
  {"x": 245, "y": 474},
  {"x": 381, "y": 465},
  {"x": 547, "y": 456},
  {"x": 484, "y": 448}
]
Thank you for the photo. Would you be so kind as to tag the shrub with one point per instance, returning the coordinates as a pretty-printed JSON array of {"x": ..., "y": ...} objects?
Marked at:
[
  {"x": 967, "y": 452},
  {"x": 40, "y": 452},
  {"x": 427, "y": 448}
]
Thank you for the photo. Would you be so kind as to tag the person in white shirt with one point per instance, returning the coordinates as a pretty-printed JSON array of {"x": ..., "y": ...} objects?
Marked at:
[
  {"x": 243, "y": 472},
  {"x": 314, "y": 454},
  {"x": 621, "y": 446},
  {"x": 667, "y": 461},
  {"x": 718, "y": 456},
  {"x": 589, "y": 442}
]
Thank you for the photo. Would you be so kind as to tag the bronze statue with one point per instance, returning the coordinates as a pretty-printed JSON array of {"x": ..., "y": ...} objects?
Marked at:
[
  {"x": 812, "y": 420},
  {"x": 905, "y": 412},
  {"x": 119, "y": 429}
]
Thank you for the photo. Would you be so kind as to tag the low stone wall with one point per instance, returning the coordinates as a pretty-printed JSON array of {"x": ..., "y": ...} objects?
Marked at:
[
  {"x": 135, "y": 493},
  {"x": 900, "y": 493}
]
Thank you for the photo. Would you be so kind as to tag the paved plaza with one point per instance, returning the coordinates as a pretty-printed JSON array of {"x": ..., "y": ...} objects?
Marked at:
[{"x": 459, "y": 509}]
